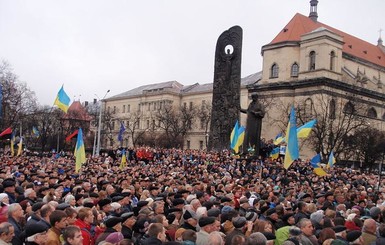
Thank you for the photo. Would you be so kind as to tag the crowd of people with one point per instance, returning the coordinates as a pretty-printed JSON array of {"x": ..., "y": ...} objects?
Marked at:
[{"x": 171, "y": 196}]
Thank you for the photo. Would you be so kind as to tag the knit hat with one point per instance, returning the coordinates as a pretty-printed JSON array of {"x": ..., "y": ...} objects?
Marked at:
[
  {"x": 187, "y": 215},
  {"x": 251, "y": 216},
  {"x": 317, "y": 216},
  {"x": 111, "y": 222},
  {"x": 37, "y": 206},
  {"x": 374, "y": 212},
  {"x": 2, "y": 196},
  {"x": 104, "y": 202},
  {"x": 214, "y": 212},
  {"x": 351, "y": 236},
  {"x": 239, "y": 222},
  {"x": 8, "y": 182},
  {"x": 206, "y": 221},
  {"x": 114, "y": 237},
  {"x": 35, "y": 228},
  {"x": 226, "y": 209}
]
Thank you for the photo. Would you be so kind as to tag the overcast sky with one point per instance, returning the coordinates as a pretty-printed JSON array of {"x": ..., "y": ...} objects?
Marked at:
[{"x": 91, "y": 46}]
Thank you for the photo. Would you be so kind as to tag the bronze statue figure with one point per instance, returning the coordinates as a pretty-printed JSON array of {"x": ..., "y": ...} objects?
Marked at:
[{"x": 255, "y": 113}]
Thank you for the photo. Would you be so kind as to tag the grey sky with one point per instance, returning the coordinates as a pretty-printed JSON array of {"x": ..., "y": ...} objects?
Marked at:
[{"x": 91, "y": 46}]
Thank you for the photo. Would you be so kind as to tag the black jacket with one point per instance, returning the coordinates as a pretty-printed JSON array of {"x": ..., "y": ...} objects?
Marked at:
[{"x": 152, "y": 241}]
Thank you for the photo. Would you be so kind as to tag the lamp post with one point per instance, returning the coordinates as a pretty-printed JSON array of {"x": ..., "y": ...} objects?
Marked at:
[{"x": 100, "y": 124}]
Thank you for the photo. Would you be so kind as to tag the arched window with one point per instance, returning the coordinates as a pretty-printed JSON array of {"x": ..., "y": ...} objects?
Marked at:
[
  {"x": 372, "y": 113},
  {"x": 332, "y": 109},
  {"x": 274, "y": 71},
  {"x": 312, "y": 61},
  {"x": 294, "y": 70},
  {"x": 308, "y": 107},
  {"x": 349, "y": 108},
  {"x": 332, "y": 60},
  {"x": 383, "y": 116}
]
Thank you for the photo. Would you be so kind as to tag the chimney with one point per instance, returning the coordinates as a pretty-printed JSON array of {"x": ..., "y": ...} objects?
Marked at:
[{"x": 313, "y": 10}]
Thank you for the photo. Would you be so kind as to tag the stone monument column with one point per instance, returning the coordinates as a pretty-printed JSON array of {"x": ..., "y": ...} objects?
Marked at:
[{"x": 226, "y": 88}]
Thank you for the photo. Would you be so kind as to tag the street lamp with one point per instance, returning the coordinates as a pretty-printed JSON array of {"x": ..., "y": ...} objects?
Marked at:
[{"x": 100, "y": 124}]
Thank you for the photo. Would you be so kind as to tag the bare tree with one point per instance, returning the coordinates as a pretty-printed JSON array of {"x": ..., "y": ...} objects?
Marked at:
[
  {"x": 133, "y": 126},
  {"x": 175, "y": 122},
  {"x": 367, "y": 146},
  {"x": 47, "y": 121},
  {"x": 204, "y": 115},
  {"x": 336, "y": 119},
  {"x": 18, "y": 100}
]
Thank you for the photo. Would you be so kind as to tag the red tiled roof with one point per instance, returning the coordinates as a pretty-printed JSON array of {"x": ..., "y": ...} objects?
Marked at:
[
  {"x": 301, "y": 24},
  {"x": 77, "y": 111}
]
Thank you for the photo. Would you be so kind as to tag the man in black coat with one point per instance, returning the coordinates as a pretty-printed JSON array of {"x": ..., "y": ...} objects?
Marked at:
[{"x": 156, "y": 235}]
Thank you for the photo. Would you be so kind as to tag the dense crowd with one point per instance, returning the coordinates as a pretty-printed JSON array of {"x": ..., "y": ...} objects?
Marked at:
[{"x": 171, "y": 196}]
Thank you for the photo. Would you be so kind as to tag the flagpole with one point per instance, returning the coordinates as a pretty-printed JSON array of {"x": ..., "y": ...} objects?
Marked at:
[
  {"x": 57, "y": 145},
  {"x": 94, "y": 148},
  {"x": 100, "y": 124}
]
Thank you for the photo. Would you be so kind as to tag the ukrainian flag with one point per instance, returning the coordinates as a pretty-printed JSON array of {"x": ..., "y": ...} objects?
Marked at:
[
  {"x": 123, "y": 161},
  {"x": 80, "y": 153},
  {"x": 233, "y": 135},
  {"x": 274, "y": 154},
  {"x": 35, "y": 132},
  {"x": 332, "y": 160},
  {"x": 304, "y": 130},
  {"x": 237, "y": 136},
  {"x": 241, "y": 137},
  {"x": 62, "y": 100},
  {"x": 292, "y": 151},
  {"x": 20, "y": 149},
  {"x": 279, "y": 139},
  {"x": 13, "y": 144},
  {"x": 315, "y": 163}
]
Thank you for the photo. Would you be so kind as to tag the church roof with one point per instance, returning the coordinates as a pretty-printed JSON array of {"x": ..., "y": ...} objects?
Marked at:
[
  {"x": 300, "y": 25},
  {"x": 77, "y": 112}
]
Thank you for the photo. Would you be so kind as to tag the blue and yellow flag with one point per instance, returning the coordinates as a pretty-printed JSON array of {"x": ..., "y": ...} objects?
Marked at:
[
  {"x": 279, "y": 139},
  {"x": 20, "y": 147},
  {"x": 233, "y": 135},
  {"x": 237, "y": 136},
  {"x": 62, "y": 100},
  {"x": 241, "y": 137},
  {"x": 13, "y": 144},
  {"x": 35, "y": 132},
  {"x": 80, "y": 153},
  {"x": 315, "y": 162},
  {"x": 274, "y": 154},
  {"x": 304, "y": 130},
  {"x": 292, "y": 150},
  {"x": 332, "y": 160},
  {"x": 124, "y": 160}
]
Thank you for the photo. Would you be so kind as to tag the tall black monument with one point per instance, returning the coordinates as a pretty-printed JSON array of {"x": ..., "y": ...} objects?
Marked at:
[{"x": 226, "y": 88}]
